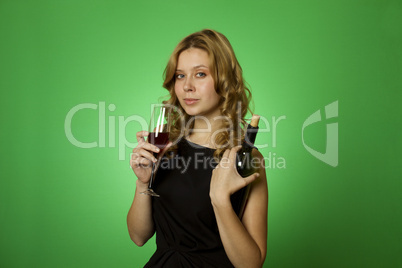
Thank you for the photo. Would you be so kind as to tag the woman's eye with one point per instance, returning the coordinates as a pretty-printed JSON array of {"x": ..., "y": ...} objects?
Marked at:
[
  {"x": 201, "y": 74},
  {"x": 179, "y": 76}
]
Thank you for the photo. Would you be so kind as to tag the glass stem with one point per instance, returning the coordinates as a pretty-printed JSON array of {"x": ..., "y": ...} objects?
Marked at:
[
  {"x": 151, "y": 180},
  {"x": 152, "y": 176}
]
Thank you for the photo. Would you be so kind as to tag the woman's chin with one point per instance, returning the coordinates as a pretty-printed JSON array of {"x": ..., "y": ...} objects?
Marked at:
[{"x": 191, "y": 112}]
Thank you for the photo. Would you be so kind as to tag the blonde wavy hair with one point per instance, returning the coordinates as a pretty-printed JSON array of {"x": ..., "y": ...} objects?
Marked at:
[{"x": 229, "y": 84}]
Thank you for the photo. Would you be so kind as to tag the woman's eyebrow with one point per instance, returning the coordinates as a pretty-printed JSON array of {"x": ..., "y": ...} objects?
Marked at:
[
  {"x": 200, "y": 66},
  {"x": 195, "y": 67}
]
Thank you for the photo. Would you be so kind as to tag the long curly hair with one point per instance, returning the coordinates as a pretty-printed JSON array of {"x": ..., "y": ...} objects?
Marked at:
[{"x": 229, "y": 84}]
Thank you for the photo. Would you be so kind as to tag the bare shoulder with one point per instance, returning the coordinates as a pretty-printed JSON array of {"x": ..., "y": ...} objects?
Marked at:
[
  {"x": 259, "y": 165},
  {"x": 257, "y": 154},
  {"x": 259, "y": 186}
]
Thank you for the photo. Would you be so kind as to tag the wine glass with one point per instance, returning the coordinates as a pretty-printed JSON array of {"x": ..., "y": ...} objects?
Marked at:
[{"x": 159, "y": 136}]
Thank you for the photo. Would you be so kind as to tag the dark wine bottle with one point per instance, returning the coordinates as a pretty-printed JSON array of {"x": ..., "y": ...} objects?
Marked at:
[{"x": 245, "y": 165}]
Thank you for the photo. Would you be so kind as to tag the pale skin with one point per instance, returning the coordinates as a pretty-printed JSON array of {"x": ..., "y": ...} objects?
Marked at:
[{"x": 244, "y": 240}]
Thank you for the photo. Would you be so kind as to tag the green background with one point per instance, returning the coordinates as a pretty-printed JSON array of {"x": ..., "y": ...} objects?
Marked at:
[{"x": 64, "y": 206}]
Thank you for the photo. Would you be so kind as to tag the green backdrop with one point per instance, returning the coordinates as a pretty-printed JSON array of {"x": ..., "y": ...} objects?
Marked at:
[{"x": 65, "y": 206}]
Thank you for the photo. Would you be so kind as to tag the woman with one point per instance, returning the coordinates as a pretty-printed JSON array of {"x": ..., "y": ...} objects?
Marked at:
[{"x": 194, "y": 221}]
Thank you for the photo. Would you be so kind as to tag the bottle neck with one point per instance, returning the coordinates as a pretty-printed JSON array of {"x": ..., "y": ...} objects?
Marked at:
[{"x": 249, "y": 138}]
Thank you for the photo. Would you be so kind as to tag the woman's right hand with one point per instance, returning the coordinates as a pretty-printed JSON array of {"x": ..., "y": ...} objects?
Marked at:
[{"x": 143, "y": 157}]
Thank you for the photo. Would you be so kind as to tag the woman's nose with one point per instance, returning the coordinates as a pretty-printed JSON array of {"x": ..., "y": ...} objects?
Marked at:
[{"x": 188, "y": 85}]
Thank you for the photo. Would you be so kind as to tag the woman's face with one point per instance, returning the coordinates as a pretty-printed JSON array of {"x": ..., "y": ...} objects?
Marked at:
[{"x": 194, "y": 84}]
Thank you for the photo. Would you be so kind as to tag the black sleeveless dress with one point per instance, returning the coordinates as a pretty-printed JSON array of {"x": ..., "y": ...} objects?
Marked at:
[{"x": 187, "y": 234}]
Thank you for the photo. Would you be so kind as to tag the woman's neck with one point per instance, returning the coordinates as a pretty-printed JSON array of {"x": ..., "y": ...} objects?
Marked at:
[{"x": 204, "y": 129}]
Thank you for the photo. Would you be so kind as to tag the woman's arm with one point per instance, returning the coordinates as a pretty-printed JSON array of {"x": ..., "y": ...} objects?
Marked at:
[
  {"x": 245, "y": 241},
  {"x": 139, "y": 218}
]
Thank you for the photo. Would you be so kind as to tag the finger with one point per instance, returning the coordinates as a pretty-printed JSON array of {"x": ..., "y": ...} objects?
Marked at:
[
  {"x": 150, "y": 147},
  {"x": 144, "y": 163},
  {"x": 141, "y": 134},
  {"x": 131, "y": 163},
  {"x": 233, "y": 153},
  {"x": 140, "y": 163},
  {"x": 224, "y": 160},
  {"x": 251, "y": 178},
  {"x": 134, "y": 155},
  {"x": 226, "y": 153},
  {"x": 148, "y": 155}
]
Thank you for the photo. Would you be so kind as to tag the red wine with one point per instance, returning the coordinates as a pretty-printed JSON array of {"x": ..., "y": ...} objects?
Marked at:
[
  {"x": 244, "y": 163},
  {"x": 160, "y": 139}
]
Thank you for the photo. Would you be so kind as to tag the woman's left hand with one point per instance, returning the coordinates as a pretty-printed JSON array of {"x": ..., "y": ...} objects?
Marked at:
[{"x": 225, "y": 179}]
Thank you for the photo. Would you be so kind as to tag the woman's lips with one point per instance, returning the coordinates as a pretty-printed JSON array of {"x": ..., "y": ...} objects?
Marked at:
[{"x": 190, "y": 101}]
